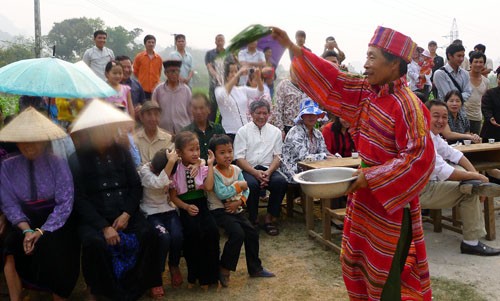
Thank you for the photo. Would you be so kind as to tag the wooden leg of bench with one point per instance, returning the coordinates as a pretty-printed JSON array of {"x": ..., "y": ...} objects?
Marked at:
[
  {"x": 455, "y": 215},
  {"x": 327, "y": 222},
  {"x": 436, "y": 220},
  {"x": 489, "y": 218},
  {"x": 309, "y": 206}
]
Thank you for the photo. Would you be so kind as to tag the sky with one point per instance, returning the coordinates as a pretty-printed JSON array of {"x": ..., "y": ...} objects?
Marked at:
[{"x": 352, "y": 23}]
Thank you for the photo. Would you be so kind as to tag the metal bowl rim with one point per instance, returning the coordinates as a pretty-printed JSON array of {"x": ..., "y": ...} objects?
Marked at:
[{"x": 297, "y": 176}]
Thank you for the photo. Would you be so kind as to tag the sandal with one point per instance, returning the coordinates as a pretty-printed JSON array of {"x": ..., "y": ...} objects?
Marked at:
[
  {"x": 270, "y": 229},
  {"x": 157, "y": 292}
]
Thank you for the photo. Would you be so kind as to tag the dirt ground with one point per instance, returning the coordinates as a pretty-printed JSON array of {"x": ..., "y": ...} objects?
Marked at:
[
  {"x": 446, "y": 261},
  {"x": 306, "y": 271}
]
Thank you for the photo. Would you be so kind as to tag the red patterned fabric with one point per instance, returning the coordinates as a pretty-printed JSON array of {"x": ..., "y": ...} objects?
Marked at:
[
  {"x": 390, "y": 128},
  {"x": 393, "y": 42}
]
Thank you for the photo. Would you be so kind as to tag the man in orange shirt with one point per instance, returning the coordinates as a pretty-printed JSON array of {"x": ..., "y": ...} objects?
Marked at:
[{"x": 147, "y": 66}]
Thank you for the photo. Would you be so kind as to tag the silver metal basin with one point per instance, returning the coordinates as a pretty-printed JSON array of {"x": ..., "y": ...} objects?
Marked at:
[{"x": 325, "y": 182}]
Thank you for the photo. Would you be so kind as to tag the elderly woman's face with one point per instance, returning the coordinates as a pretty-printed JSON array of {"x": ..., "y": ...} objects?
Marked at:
[
  {"x": 32, "y": 150},
  {"x": 310, "y": 120}
]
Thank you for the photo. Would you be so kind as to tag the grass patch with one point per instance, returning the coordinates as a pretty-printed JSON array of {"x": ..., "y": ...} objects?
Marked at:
[{"x": 450, "y": 290}]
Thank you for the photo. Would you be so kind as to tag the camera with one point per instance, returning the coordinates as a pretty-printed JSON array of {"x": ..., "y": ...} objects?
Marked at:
[{"x": 251, "y": 70}]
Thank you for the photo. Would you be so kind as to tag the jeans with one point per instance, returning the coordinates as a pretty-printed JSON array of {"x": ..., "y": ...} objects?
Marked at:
[
  {"x": 277, "y": 187},
  {"x": 169, "y": 230}
]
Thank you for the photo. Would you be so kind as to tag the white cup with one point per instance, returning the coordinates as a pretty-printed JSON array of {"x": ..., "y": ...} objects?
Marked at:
[
  {"x": 467, "y": 142},
  {"x": 355, "y": 155},
  {"x": 309, "y": 158},
  {"x": 491, "y": 140}
]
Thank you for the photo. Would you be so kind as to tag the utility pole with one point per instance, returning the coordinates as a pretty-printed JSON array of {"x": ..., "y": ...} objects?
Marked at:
[{"x": 38, "y": 30}]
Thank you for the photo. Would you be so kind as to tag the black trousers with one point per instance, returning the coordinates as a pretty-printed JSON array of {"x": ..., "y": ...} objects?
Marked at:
[
  {"x": 201, "y": 244},
  {"x": 97, "y": 265},
  {"x": 239, "y": 231}
]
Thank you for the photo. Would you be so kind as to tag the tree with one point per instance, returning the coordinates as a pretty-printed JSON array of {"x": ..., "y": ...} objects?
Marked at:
[
  {"x": 73, "y": 36},
  {"x": 19, "y": 48},
  {"x": 122, "y": 41}
]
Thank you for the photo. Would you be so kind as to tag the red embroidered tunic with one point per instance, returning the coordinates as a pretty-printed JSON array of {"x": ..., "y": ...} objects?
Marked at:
[{"x": 390, "y": 128}]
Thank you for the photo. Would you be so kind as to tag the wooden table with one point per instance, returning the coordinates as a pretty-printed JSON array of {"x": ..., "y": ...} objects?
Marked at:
[
  {"x": 326, "y": 237},
  {"x": 485, "y": 156}
]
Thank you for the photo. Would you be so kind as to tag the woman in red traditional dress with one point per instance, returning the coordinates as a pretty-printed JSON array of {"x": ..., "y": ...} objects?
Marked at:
[{"x": 383, "y": 252}]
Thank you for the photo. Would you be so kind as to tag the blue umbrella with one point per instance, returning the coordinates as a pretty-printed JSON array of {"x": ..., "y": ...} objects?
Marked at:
[{"x": 52, "y": 77}]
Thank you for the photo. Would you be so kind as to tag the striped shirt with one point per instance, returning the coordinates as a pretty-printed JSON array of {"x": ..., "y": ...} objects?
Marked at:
[{"x": 390, "y": 128}]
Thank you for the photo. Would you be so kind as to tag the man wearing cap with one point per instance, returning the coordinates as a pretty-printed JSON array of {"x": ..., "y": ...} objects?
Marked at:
[
  {"x": 173, "y": 97},
  {"x": 383, "y": 252},
  {"x": 151, "y": 138}
]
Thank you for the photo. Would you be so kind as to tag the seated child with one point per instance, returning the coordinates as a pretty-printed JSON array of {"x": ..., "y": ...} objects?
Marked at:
[
  {"x": 187, "y": 191},
  {"x": 229, "y": 193},
  {"x": 160, "y": 212}
]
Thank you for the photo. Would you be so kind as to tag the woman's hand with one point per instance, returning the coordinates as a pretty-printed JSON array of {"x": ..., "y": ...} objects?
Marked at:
[
  {"x": 359, "y": 183},
  {"x": 493, "y": 121},
  {"x": 111, "y": 236},
  {"x": 192, "y": 210},
  {"x": 30, "y": 239},
  {"x": 475, "y": 138},
  {"x": 121, "y": 222}
]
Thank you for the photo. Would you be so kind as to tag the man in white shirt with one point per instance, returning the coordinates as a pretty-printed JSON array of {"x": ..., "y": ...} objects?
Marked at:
[
  {"x": 98, "y": 56},
  {"x": 444, "y": 189},
  {"x": 250, "y": 57},
  {"x": 257, "y": 150},
  {"x": 183, "y": 55}
]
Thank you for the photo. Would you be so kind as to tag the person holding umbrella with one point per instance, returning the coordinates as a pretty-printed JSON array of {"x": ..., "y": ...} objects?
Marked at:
[
  {"x": 383, "y": 252},
  {"x": 120, "y": 257},
  {"x": 41, "y": 249}
]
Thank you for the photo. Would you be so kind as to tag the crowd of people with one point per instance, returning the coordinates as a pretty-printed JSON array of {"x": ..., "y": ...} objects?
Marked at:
[{"x": 150, "y": 174}]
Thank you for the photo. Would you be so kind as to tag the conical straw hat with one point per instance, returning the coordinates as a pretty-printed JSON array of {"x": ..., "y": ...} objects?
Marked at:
[
  {"x": 31, "y": 126},
  {"x": 99, "y": 113}
]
